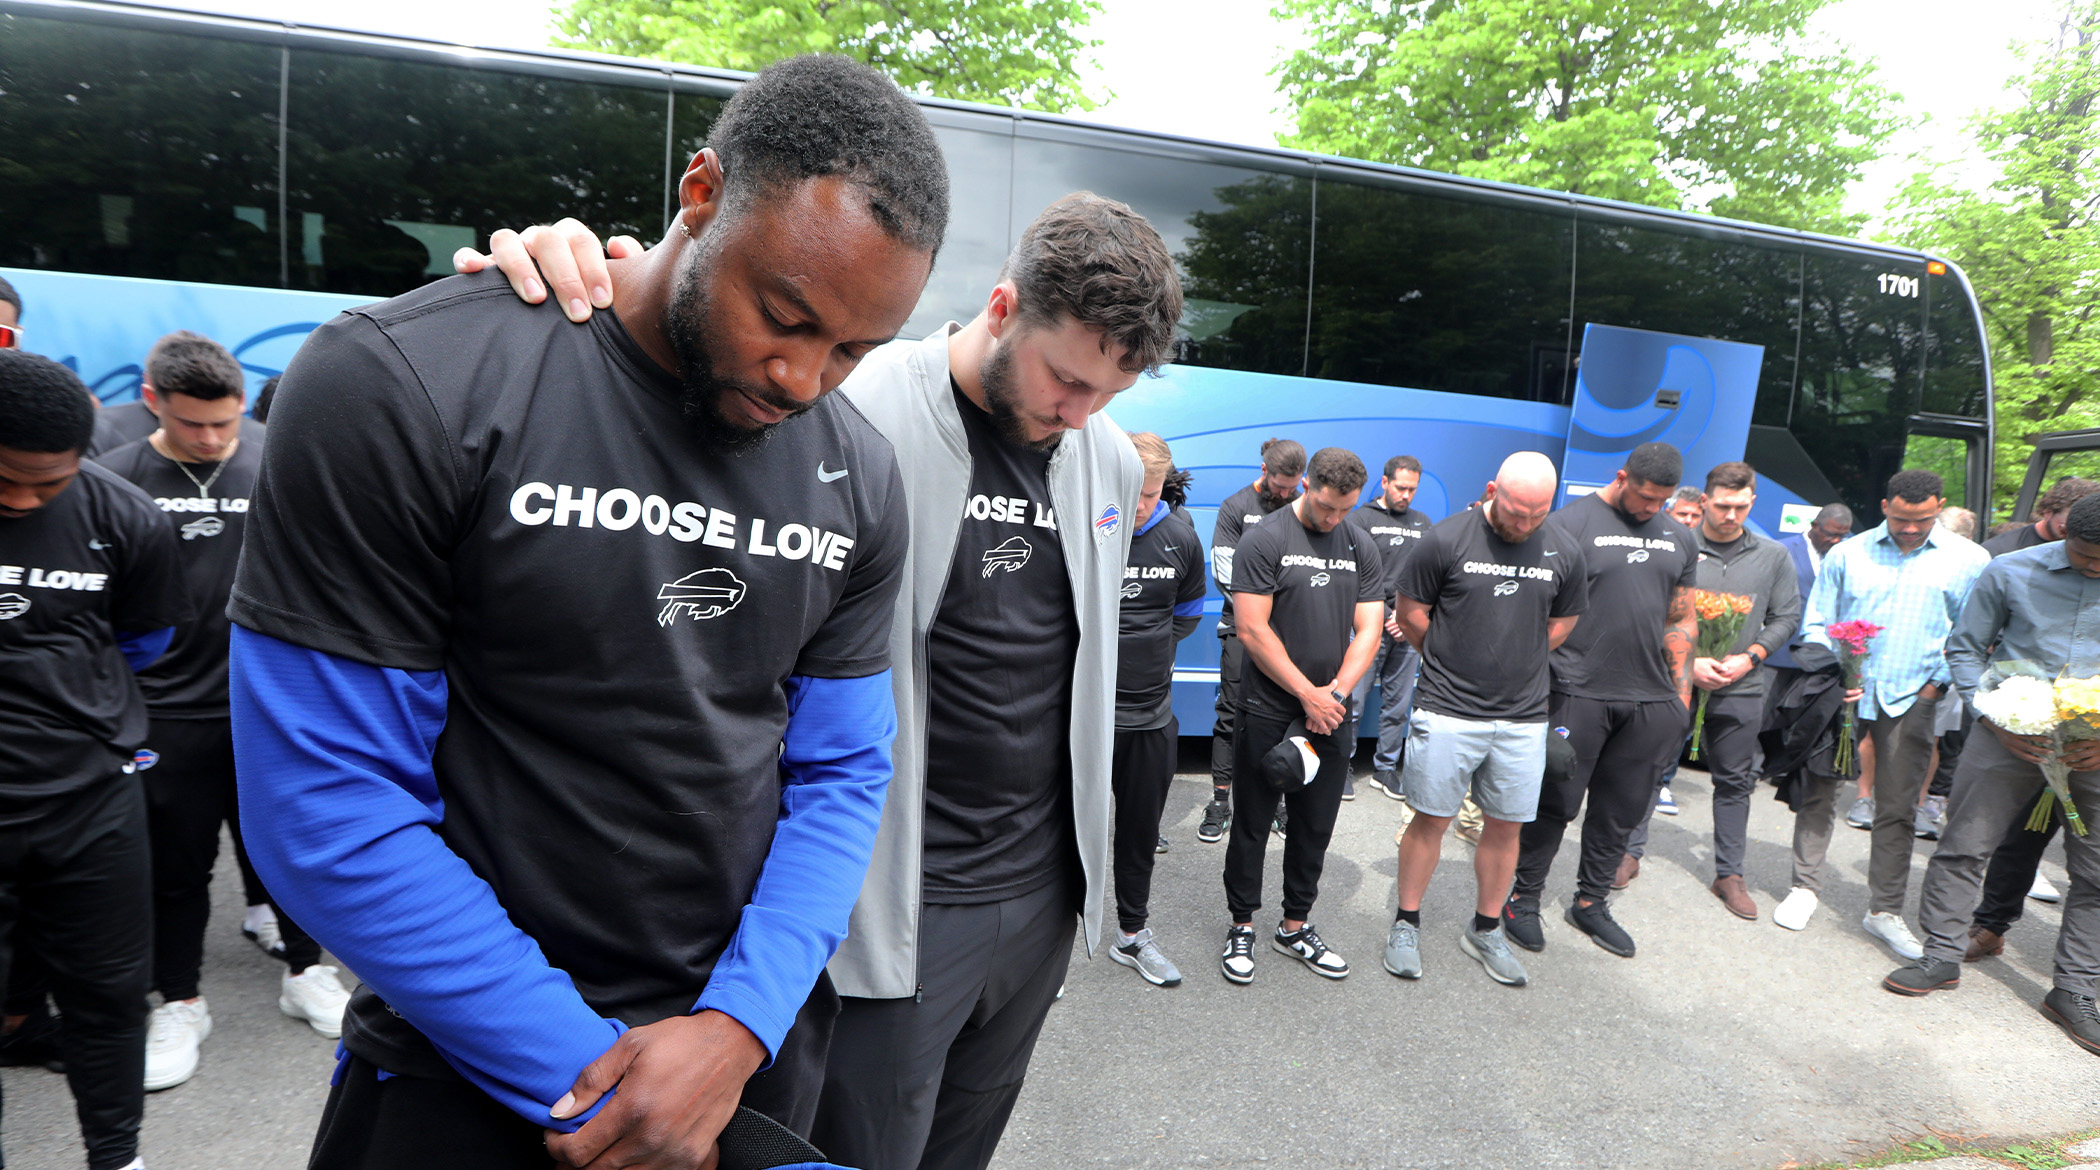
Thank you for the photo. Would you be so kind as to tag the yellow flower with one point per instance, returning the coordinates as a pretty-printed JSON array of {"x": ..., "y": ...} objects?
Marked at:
[{"x": 2078, "y": 701}]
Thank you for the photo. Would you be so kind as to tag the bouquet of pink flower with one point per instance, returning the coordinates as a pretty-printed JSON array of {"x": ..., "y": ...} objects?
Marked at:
[{"x": 1851, "y": 640}]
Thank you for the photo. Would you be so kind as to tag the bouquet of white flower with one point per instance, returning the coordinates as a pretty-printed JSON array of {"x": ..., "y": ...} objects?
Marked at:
[{"x": 2019, "y": 698}]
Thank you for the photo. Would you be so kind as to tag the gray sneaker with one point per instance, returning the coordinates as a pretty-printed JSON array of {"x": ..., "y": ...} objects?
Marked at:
[
  {"x": 1492, "y": 949},
  {"x": 1143, "y": 956},
  {"x": 1403, "y": 950},
  {"x": 1862, "y": 814}
]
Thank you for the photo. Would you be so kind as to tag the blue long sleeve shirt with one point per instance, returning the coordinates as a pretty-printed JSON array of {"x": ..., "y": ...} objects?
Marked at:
[{"x": 340, "y": 806}]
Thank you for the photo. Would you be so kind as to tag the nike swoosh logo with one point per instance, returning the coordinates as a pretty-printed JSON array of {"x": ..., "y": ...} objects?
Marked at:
[
  {"x": 1170, "y": 548},
  {"x": 830, "y": 476},
  {"x": 1553, "y": 554},
  {"x": 97, "y": 545}
]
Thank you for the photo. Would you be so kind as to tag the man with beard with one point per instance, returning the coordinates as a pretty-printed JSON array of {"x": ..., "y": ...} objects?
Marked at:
[
  {"x": 1280, "y": 481},
  {"x": 641, "y": 574},
  {"x": 1396, "y": 528},
  {"x": 1021, "y": 497}
]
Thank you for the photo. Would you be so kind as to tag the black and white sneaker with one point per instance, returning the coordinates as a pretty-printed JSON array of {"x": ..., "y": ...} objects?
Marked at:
[
  {"x": 1162, "y": 847},
  {"x": 1305, "y": 946},
  {"x": 1520, "y": 922},
  {"x": 1237, "y": 963},
  {"x": 1216, "y": 815}
]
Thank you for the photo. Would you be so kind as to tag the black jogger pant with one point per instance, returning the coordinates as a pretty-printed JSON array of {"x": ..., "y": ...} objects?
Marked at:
[
  {"x": 189, "y": 793},
  {"x": 404, "y": 1121},
  {"x": 1313, "y": 808},
  {"x": 1232, "y": 659},
  {"x": 76, "y": 876},
  {"x": 928, "y": 1083},
  {"x": 1143, "y": 771},
  {"x": 1620, "y": 749}
]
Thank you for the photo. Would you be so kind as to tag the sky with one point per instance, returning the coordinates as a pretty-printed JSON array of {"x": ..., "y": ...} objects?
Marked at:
[{"x": 1200, "y": 67}]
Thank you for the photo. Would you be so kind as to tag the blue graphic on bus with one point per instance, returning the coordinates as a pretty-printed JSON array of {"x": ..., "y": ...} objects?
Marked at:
[{"x": 1635, "y": 386}]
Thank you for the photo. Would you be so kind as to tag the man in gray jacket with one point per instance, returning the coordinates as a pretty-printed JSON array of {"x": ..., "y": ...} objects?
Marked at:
[{"x": 1734, "y": 560}]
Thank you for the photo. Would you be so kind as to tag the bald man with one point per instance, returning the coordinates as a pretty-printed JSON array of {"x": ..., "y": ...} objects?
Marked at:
[{"x": 1484, "y": 597}]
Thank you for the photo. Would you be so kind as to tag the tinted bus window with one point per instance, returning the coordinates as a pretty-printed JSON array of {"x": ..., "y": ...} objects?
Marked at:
[
  {"x": 1242, "y": 239},
  {"x": 980, "y": 202},
  {"x": 137, "y": 154},
  {"x": 1674, "y": 281},
  {"x": 692, "y": 116},
  {"x": 1861, "y": 353},
  {"x": 394, "y": 164},
  {"x": 1954, "y": 357},
  {"x": 1440, "y": 293}
]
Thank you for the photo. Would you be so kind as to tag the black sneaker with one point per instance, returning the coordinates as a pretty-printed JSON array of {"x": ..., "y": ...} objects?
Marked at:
[
  {"x": 1162, "y": 847},
  {"x": 2076, "y": 1015},
  {"x": 1216, "y": 815},
  {"x": 1349, "y": 786},
  {"x": 1596, "y": 921},
  {"x": 1520, "y": 921},
  {"x": 34, "y": 1044},
  {"x": 1237, "y": 963},
  {"x": 1924, "y": 977}
]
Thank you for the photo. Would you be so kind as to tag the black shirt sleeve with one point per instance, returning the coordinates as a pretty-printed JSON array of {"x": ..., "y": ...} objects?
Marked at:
[
  {"x": 1421, "y": 575},
  {"x": 854, "y": 640},
  {"x": 1257, "y": 562},
  {"x": 357, "y": 509},
  {"x": 150, "y": 593},
  {"x": 1370, "y": 567},
  {"x": 1573, "y": 597}
]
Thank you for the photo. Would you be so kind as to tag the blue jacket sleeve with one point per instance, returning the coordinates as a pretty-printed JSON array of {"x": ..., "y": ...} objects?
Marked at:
[
  {"x": 835, "y": 769},
  {"x": 143, "y": 650},
  {"x": 338, "y": 809}
]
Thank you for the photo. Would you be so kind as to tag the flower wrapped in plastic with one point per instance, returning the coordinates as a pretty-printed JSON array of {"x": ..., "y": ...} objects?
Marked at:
[
  {"x": 2023, "y": 700},
  {"x": 1721, "y": 617},
  {"x": 1851, "y": 641}
]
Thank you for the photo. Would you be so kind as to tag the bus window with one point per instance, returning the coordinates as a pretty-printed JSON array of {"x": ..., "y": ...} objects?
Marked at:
[
  {"x": 1439, "y": 293},
  {"x": 1240, "y": 236},
  {"x": 1685, "y": 282},
  {"x": 132, "y": 153},
  {"x": 1947, "y": 456},
  {"x": 692, "y": 116},
  {"x": 980, "y": 168},
  {"x": 1954, "y": 357},
  {"x": 391, "y": 158},
  {"x": 1861, "y": 349}
]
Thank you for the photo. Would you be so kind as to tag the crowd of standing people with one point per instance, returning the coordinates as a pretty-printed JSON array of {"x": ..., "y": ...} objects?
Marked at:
[{"x": 841, "y": 665}]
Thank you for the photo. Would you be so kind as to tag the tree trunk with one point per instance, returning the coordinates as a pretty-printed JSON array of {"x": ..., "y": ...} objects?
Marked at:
[{"x": 2041, "y": 343}]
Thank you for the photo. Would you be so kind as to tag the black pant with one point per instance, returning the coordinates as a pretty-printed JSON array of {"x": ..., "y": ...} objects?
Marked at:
[
  {"x": 928, "y": 1083},
  {"x": 1313, "y": 808},
  {"x": 76, "y": 875},
  {"x": 1143, "y": 772},
  {"x": 189, "y": 793},
  {"x": 410, "y": 1121},
  {"x": 1620, "y": 749},
  {"x": 1950, "y": 754},
  {"x": 2012, "y": 870},
  {"x": 1232, "y": 659}
]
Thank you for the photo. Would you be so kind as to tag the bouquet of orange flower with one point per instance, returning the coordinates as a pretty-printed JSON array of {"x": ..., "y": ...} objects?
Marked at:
[
  {"x": 1851, "y": 640},
  {"x": 1721, "y": 617}
]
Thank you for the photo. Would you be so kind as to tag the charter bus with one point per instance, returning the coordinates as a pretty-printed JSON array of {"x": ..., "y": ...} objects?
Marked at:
[{"x": 162, "y": 169}]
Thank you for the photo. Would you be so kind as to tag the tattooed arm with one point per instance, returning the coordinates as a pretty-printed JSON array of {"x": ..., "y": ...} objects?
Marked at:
[{"x": 1680, "y": 637}]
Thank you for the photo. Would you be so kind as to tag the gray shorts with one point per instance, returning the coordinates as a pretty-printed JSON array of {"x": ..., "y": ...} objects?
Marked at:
[{"x": 1502, "y": 762}]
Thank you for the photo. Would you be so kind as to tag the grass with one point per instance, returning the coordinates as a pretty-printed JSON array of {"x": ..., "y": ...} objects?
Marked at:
[{"x": 2036, "y": 1154}]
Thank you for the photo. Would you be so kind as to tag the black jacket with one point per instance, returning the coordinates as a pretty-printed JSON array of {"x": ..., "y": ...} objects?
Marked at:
[{"x": 1804, "y": 708}]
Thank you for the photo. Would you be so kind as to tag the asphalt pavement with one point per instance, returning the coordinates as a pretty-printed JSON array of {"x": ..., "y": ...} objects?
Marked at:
[{"x": 1722, "y": 1044}]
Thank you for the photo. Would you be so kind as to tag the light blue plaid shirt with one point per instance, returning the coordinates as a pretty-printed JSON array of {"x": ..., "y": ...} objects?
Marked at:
[{"x": 1914, "y": 597}]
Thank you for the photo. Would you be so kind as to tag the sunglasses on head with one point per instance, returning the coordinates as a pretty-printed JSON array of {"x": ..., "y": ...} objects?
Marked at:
[{"x": 10, "y": 336}]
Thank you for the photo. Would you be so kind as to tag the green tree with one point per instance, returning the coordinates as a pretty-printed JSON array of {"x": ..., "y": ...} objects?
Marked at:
[
  {"x": 1026, "y": 53},
  {"x": 1724, "y": 106},
  {"x": 2030, "y": 241}
]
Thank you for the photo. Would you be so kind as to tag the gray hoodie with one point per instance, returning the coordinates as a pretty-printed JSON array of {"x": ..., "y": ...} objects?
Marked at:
[{"x": 902, "y": 388}]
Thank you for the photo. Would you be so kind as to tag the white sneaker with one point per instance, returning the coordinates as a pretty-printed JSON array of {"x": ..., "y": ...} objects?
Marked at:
[
  {"x": 1894, "y": 934},
  {"x": 259, "y": 926},
  {"x": 316, "y": 996},
  {"x": 173, "y": 1035},
  {"x": 1799, "y": 906},
  {"x": 2042, "y": 891}
]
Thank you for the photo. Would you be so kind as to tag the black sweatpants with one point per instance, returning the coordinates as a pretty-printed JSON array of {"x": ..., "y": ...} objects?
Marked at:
[
  {"x": 1143, "y": 766},
  {"x": 413, "y": 1121},
  {"x": 189, "y": 794},
  {"x": 1621, "y": 747},
  {"x": 1313, "y": 808},
  {"x": 2011, "y": 873},
  {"x": 76, "y": 876},
  {"x": 928, "y": 1083},
  {"x": 1232, "y": 659}
]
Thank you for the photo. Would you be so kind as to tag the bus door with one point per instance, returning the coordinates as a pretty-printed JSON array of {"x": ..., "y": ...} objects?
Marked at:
[
  {"x": 1635, "y": 386},
  {"x": 2056, "y": 454}
]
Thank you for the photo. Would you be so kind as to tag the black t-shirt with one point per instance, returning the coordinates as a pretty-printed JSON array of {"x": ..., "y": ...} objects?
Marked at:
[
  {"x": 94, "y": 563},
  {"x": 189, "y": 681},
  {"x": 459, "y": 481},
  {"x": 2013, "y": 540},
  {"x": 1314, "y": 581},
  {"x": 999, "y": 684},
  {"x": 1165, "y": 570},
  {"x": 1489, "y": 600},
  {"x": 1241, "y": 510},
  {"x": 118, "y": 425},
  {"x": 1616, "y": 651},
  {"x": 1397, "y": 533}
]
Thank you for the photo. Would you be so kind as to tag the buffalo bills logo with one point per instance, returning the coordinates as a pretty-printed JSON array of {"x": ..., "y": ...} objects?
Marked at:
[
  {"x": 1637, "y": 556},
  {"x": 12, "y": 605},
  {"x": 709, "y": 593},
  {"x": 1107, "y": 522},
  {"x": 1008, "y": 557},
  {"x": 1505, "y": 588}
]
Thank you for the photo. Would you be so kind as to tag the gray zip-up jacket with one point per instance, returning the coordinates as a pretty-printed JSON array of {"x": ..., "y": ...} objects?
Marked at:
[
  {"x": 1763, "y": 571},
  {"x": 1095, "y": 481}
]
